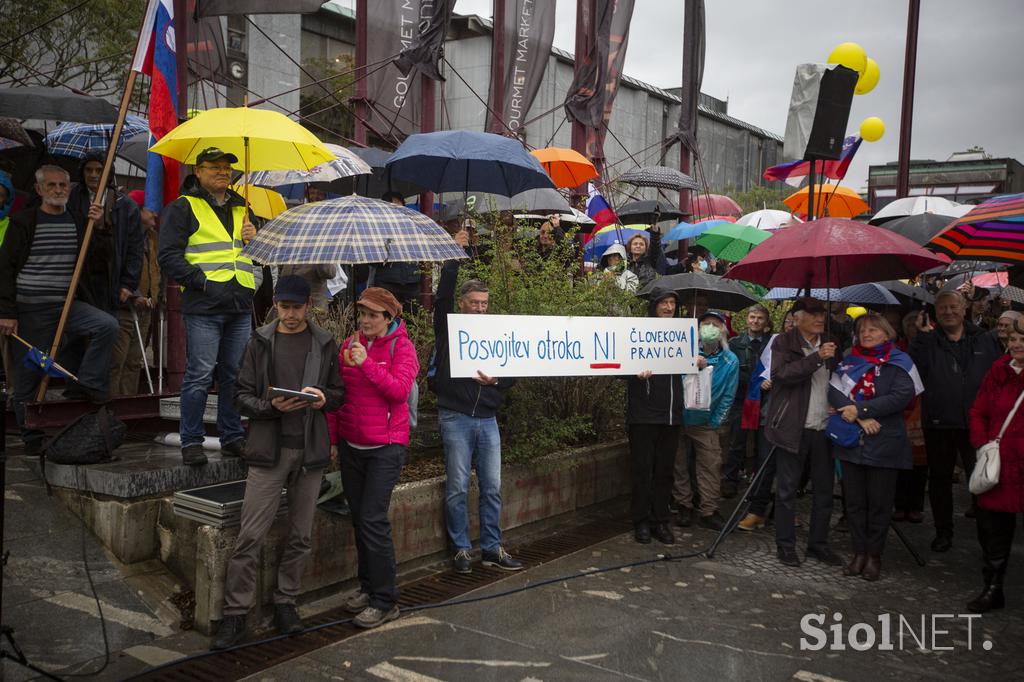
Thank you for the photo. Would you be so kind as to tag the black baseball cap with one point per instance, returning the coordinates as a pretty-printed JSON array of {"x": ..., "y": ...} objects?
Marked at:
[
  {"x": 292, "y": 289},
  {"x": 809, "y": 304},
  {"x": 713, "y": 313},
  {"x": 215, "y": 154}
]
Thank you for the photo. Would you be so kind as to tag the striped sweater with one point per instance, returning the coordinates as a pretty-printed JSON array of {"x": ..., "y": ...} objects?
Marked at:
[{"x": 46, "y": 275}]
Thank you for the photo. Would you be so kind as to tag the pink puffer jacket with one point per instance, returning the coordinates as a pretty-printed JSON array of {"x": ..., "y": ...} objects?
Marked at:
[{"x": 376, "y": 411}]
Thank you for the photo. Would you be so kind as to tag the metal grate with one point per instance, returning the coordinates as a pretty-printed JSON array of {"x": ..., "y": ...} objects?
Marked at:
[{"x": 440, "y": 587}]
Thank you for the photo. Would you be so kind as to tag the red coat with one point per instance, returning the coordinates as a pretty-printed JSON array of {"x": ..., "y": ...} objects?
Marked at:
[
  {"x": 998, "y": 393},
  {"x": 376, "y": 411}
]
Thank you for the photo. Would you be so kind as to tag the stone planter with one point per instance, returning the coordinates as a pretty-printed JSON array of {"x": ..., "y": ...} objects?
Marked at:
[{"x": 555, "y": 485}]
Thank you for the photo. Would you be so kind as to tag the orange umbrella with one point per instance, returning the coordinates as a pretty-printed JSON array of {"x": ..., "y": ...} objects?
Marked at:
[
  {"x": 833, "y": 200},
  {"x": 567, "y": 167}
]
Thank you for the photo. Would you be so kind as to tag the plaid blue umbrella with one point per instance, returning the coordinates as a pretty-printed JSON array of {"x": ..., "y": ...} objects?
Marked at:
[
  {"x": 861, "y": 294},
  {"x": 467, "y": 161},
  {"x": 351, "y": 230},
  {"x": 79, "y": 139}
]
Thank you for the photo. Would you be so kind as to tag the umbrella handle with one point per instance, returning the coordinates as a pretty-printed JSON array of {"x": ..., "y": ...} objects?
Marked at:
[{"x": 245, "y": 186}]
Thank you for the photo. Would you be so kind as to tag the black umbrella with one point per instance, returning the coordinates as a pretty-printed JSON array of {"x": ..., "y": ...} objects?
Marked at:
[
  {"x": 907, "y": 294},
  {"x": 919, "y": 228},
  {"x": 55, "y": 104},
  {"x": 662, "y": 177},
  {"x": 135, "y": 150},
  {"x": 725, "y": 294},
  {"x": 375, "y": 184},
  {"x": 648, "y": 212}
]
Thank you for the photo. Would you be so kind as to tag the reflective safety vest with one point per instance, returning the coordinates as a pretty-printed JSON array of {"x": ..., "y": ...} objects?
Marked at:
[
  {"x": 4, "y": 222},
  {"x": 209, "y": 250}
]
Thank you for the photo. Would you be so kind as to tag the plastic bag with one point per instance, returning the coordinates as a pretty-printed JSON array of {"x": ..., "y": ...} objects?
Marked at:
[{"x": 697, "y": 390}]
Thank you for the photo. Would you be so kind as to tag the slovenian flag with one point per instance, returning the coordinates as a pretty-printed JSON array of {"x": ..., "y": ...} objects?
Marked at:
[
  {"x": 598, "y": 209},
  {"x": 794, "y": 172},
  {"x": 155, "y": 57}
]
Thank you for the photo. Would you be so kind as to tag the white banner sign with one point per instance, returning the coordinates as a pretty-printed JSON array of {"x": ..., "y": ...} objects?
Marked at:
[{"x": 551, "y": 346}]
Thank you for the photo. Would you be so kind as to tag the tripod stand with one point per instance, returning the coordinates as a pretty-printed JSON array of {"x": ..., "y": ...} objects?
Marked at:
[
  {"x": 744, "y": 503},
  {"x": 15, "y": 654}
]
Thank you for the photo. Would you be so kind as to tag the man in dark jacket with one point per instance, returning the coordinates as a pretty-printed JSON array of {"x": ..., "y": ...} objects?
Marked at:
[
  {"x": 747, "y": 348},
  {"x": 802, "y": 360},
  {"x": 37, "y": 261},
  {"x": 952, "y": 360},
  {"x": 654, "y": 415},
  {"x": 288, "y": 447},
  {"x": 466, "y": 410},
  {"x": 201, "y": 235},
  {"x": 111, "y": 273}
]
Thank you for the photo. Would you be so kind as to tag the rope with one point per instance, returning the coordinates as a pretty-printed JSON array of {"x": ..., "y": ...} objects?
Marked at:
[{"x": 493, "y": 113}]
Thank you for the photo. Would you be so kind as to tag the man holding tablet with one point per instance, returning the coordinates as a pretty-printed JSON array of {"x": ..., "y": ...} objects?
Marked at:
[{"x": 289, "y": 378}]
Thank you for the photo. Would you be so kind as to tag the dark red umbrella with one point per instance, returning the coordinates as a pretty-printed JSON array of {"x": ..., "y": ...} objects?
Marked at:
[
  {"x": 713, "y": 204},
  {"x": 832, "y": 252}
]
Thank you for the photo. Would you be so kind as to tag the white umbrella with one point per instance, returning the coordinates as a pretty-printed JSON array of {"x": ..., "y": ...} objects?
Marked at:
[
  {"x": 915, "y": 205},
  {"x": 768, "y": 219},
  {"x": 345, "y": 165}
]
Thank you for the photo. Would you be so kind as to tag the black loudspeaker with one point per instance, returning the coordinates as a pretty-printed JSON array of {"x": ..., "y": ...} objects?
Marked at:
[{"x": 835, "y": 95}]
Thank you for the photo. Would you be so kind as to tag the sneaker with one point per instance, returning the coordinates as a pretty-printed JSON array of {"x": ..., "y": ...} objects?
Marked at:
[
  {"x": 712, "y": 522},
  {"x": 462, "y": 562},
  {"x": 825, "y": 555},
  {"x": 663, "y": 534},
  {"x": 371, "y": 616},
  {"x": 501, "y": 559},
  {"x": 230, "y": 632},
  {"x": 193, "y": 455},
  {"x": 751, "y": 522},
  {"x": 356, "y": 601},
  {"x": 788, "y": 557},
  {"x": 642, "y": 533},
  {"x": 286, "y": 619},
  {"x": 685, "y": 517},
  {"x": 235, "y": 448}
]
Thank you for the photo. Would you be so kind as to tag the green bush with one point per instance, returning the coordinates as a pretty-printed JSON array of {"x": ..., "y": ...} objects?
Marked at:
[{"x": 546, "y": 414}]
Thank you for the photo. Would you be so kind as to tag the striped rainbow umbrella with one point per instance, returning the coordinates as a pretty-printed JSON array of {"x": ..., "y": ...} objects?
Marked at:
[{"x": 992, "y": 231}]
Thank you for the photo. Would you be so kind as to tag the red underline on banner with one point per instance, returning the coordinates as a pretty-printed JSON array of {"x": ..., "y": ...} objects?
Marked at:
[{"x": 605, "y": 365}]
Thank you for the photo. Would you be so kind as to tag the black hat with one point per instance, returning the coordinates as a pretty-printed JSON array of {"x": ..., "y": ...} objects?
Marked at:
[
  {"x": 713, "y": 313},
  {"x": 215, "y": 154},
  {"x": 291, "y": 288},
  {"x": 809, "y": 304}
]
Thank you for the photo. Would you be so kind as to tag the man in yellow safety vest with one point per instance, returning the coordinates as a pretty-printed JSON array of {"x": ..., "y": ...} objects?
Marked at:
[{"x": 202, "y": 233}]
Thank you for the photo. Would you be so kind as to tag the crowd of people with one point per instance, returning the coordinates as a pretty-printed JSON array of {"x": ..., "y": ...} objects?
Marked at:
[{"x": 888, "y": 402}]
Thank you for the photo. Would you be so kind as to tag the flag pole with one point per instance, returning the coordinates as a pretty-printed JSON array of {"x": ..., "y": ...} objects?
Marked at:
[{"x": 101, "y": 197}]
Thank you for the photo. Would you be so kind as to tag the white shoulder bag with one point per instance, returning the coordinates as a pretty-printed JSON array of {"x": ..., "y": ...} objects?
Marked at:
[{"x": 986, "y": 469}]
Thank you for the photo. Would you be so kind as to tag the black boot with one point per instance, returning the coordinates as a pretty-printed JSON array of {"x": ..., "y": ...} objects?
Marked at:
[{"x": 992, "y": 596}]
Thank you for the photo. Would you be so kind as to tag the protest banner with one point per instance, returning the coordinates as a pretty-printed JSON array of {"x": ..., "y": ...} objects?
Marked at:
[{"x": 550, "y": 345}]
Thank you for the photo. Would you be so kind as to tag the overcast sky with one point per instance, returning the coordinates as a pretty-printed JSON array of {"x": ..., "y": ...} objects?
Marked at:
[{"x": 970, "y": 54}]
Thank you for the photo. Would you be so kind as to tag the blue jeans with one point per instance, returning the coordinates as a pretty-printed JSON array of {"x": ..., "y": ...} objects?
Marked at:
[
  {"x": 467, "y": 439},
  {"x": 212, "y": 341},
  {"x": 38, "y": 326}
]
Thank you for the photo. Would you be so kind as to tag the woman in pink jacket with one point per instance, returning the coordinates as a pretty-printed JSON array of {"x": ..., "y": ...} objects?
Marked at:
[{"x": 369, "y": 435}]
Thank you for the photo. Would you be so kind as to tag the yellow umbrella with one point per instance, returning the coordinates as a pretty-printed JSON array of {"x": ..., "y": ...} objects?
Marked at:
[
  {"x": 260, "y": 138},
  {"x": 265, "y": 203}
]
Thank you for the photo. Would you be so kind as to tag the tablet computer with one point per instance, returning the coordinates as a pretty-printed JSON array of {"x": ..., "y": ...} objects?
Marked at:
[{"x": 274, "y": 392}]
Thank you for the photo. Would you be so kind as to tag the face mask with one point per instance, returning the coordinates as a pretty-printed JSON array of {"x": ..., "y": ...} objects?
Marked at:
[{"x": 709, "y": 333}]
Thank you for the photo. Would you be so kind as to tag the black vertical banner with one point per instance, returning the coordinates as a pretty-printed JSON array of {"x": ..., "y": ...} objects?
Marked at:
[
  {"x": 593, "y": 90},
  {"x": 693, "y": 72},
  {"x": 393, "y": 99},
  {"x": 425, "y": 52},
  {"x": 529, "y": 29}
]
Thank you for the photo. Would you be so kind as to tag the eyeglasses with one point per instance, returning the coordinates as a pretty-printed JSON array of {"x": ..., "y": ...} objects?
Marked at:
[{"x": 223, "y": 170}]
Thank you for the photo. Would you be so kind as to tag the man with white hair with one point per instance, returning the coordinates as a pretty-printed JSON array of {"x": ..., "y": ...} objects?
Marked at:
[
  {"x": 37, "y": 260},
  {"x": 952, "y": 360}
]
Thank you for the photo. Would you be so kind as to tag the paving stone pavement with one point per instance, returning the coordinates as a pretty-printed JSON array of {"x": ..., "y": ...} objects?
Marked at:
[{"x": 734, "y": 617}]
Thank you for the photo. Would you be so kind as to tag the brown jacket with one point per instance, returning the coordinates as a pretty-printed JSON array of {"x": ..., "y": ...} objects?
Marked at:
[{"x": 791, "y": 389}]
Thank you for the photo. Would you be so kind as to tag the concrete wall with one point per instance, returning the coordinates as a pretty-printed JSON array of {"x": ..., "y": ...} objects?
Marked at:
[{"x": 553, "y": 486}]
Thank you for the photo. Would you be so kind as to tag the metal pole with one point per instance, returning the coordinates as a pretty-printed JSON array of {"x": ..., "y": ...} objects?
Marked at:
[
  {"x": 498, "y": 69},
  {"x": 907, "y": 110},
  {"x": 142, "y": 344},
  {"x": 810, "y": 195},
  {"x": 360, "y": 98},
  {"x": 427, "y": 122}
]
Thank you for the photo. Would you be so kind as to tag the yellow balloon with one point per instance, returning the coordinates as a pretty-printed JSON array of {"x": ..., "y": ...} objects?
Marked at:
[
  {"x": 869, "y": 79},
  {"x": 850, "y": 55},
  {"x": 872, "y": 129}
]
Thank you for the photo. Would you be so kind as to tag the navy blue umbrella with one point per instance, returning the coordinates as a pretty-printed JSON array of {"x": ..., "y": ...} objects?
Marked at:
[{"x": 467, "y": 161}]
